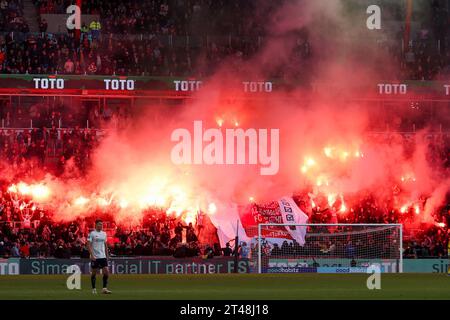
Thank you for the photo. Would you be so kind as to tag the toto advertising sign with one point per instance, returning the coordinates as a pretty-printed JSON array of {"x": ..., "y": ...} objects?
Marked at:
[{"x": 160, "y": 265}]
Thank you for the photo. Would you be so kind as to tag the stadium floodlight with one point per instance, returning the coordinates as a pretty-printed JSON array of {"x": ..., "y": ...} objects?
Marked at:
[{"x": 328, "y": 248}]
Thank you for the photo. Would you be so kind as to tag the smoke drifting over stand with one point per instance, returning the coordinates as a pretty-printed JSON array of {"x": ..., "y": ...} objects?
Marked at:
[{"x": 326, "y": 155}]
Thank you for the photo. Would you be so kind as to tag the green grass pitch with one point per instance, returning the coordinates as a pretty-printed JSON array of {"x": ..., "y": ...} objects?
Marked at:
[{"x": 231, "y": 286}]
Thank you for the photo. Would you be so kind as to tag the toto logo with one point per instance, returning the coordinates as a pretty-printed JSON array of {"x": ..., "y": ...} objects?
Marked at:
[
  {"x": 387, "y": 88},
  {"x": 187, "y": 85},
  {"x": 119, "y": 84},
  {"x": 257, "y": 86},
  {"x": 48, "y": 83},
  {"x": 8, "y": 268}
]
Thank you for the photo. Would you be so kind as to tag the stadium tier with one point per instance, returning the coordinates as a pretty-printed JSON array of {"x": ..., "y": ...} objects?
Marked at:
[{"x": 145, "y": 138}]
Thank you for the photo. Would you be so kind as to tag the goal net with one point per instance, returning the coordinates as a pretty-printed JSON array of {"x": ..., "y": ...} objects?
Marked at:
[{"x": 327, "y": 248}]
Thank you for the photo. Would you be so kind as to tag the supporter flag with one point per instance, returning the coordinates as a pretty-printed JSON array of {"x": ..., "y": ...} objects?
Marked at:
[
  {"x": 284, "y": 211},
  {"x": 292, "y": 214},
  {"x": 228, "y": 224}
]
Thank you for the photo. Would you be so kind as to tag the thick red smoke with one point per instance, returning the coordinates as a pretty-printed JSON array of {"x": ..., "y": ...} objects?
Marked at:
[{"x": 326, "y": 149}]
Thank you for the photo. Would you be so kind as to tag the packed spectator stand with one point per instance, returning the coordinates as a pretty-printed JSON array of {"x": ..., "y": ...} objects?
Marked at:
[
  {"x": 134, "y": 38},
  {"x": 27, "y": 230},
  {"x": 182, "y": 38},
  {"x": 11, "y": 16}
]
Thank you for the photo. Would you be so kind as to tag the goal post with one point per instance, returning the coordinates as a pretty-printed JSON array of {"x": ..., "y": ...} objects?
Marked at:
[{"x": 328, "y": 248}]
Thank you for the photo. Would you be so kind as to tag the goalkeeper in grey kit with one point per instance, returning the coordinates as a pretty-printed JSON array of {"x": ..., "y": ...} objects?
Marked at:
[{"x": 98, "y": 250}]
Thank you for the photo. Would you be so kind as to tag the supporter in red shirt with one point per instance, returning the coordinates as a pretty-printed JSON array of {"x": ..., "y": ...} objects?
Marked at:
[{"x": 25, "y": 250}]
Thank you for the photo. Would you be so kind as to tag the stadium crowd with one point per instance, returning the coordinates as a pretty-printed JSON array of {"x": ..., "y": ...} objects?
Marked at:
[
  {"x": 29, "y": 148},
  {"x": 163, "y": 17},
  {"x": 115, "y": 43},
  {"x": 420, "y": 240},
  {"x": 11, "y": 16},
  {"x": 159, "y": 235},
  {"x": 47, "y": 53},
  {"x": 26, "y": 229}
]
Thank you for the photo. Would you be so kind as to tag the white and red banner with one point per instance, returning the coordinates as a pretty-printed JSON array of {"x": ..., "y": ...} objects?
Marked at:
[
  {"x": 228, "y": 224},
  {"x": 284, "y": 211},
  {"x": 292, "y": 214}
]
